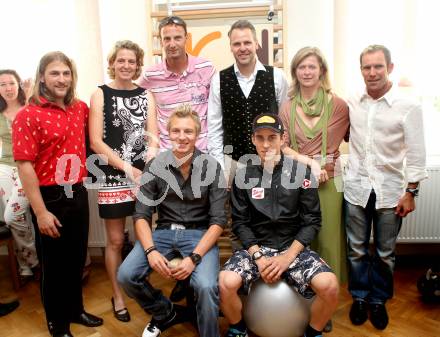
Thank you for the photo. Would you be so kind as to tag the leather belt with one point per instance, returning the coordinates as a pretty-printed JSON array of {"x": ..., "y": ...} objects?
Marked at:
[{"x": 177, "y": 226}]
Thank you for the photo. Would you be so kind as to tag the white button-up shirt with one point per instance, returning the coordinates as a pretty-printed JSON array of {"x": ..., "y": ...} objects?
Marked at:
[
  {"x": 387, "y": 148},
  {"x": 215, "y": 114}
]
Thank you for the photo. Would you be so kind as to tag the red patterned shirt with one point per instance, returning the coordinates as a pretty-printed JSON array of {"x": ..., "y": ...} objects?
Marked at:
[{"x": 53, "y": 139}]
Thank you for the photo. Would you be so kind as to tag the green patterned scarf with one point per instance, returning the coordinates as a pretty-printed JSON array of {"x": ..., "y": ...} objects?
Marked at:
[{"x": 312, "y": 108}]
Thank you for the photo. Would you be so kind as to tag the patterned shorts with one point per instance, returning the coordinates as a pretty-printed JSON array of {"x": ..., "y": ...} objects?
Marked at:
[{"x": 299, "y": 274}]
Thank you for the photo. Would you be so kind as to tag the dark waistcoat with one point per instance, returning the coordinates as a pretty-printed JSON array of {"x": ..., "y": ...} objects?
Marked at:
[{"x": 239, "y": 111}]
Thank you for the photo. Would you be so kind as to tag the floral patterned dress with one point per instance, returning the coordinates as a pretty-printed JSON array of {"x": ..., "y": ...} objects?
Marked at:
[{"x": 125, "y": 114}]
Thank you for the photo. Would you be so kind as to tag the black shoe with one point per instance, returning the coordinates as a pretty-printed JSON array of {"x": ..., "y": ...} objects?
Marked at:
[
  {"x": 122, "y": 314},
  {"x": 359, "y": 312},
  {"x": 57, "y": 331},
  {"x": 328, "y": 327},
  {"x": 89, "y": 320},
  {"x": 6, "y": 308},
  {"x": 378, "y": 316},
  {"x": 155, "y": 327},
  {"x": 179, "y": 291},
  {"x": 63, "y": 334}
]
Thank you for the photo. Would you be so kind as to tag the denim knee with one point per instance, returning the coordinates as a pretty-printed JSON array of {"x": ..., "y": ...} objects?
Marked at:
[
  {"x": 207, "y": 292},
  {"x": 206, "y": 288},
  {"x": 125, "y": 276}
]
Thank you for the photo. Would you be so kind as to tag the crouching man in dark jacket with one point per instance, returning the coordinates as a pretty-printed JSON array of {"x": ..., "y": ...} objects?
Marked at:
[{"x": 276, "y": 215}]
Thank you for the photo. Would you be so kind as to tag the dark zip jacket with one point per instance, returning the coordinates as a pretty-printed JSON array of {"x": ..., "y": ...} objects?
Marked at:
[{"x": 275, "y": 209}]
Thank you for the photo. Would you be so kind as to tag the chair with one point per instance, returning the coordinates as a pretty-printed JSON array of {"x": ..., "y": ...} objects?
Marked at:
[{"x": 7, "y": 240}]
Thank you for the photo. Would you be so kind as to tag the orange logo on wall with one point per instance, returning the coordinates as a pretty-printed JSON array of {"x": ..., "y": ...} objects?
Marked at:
[{"x": 201, "y": 43}]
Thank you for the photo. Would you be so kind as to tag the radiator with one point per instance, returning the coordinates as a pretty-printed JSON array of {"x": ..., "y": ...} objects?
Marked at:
[
  {"x": 97, "y": 226},
  {"x": 423, "y": 225}
]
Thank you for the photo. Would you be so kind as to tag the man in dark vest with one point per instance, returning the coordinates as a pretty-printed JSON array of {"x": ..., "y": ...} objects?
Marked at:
[{"x": 238, "y": 94}]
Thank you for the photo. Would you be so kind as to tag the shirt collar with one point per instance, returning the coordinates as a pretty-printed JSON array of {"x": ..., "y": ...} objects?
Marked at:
[
  {"x": 389, "y": 97},
  {"x": 170, "y": 160},
  {"x": 258, "y": 66},
  {"x": 190, "y": 68},
  {"x": 45, "y": 103},
  {"x": 278, "y": 166}
]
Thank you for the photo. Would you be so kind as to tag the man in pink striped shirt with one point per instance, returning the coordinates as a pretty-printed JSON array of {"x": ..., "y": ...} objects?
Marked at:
[{"x": 179, "y": 79}]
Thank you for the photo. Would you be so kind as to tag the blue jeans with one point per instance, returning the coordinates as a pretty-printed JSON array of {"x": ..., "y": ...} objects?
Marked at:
[
  {"x": 371, "y": 276},
  {"x": 204, "y": 279}
]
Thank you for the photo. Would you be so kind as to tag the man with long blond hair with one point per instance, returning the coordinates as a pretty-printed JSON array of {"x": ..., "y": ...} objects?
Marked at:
[{"x": 50, "y": 149}]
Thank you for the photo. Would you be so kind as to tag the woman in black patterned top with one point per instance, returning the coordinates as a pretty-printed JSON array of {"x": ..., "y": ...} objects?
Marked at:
[{"x": 118, "y": 119}]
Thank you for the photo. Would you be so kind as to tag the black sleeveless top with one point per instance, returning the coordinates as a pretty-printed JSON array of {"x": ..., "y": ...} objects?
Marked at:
[
  {"x": 124, "y": 117},
  {"x": 125, "y": 113}
]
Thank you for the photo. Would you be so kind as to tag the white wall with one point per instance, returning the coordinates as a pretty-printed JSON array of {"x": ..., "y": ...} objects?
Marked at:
[
  {"x": 32, "y": 28},
  {"x": 84, "y": 30},
  {"x": 88, "y": 53},
  {"x": 125, "y": 20},
  {"x": 310, "y": 23}
]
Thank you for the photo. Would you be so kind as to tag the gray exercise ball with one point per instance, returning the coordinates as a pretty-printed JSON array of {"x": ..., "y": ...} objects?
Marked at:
[{"x": 276, "y": 310}]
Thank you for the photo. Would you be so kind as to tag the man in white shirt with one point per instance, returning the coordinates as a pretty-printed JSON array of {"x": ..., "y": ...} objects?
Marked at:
[
  {"x": 386, "y": 164},
  {"x": 239, "y": 93}
]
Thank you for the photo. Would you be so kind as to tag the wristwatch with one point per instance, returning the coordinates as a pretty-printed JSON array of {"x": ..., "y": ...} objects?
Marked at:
[
  {"x": 413, "y": 191},
  {"x": 195, "y": 258},
  {"x": 257, "y": 255}
]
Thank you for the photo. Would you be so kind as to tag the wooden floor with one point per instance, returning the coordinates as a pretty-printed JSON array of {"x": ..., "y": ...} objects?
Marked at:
[{"x": 408, "y": 315}]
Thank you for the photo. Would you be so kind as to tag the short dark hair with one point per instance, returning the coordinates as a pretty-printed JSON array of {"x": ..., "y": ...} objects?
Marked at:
[
  {"x": 243, "y": 24},
  {"x": 377, "y": 47},
  {"x": 172, "y": 20},
  {"x": 21, "y": 94}
]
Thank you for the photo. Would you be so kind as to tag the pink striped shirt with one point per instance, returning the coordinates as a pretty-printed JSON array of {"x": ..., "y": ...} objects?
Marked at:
[{"x": 171, "y": 89}]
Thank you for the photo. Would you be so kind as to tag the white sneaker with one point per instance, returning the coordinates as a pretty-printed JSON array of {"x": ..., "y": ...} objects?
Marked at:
[
  {"x": 155, "y": 328},
  {"x": 26, "y": 271},
  {"x": 151, "y": 330}
]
